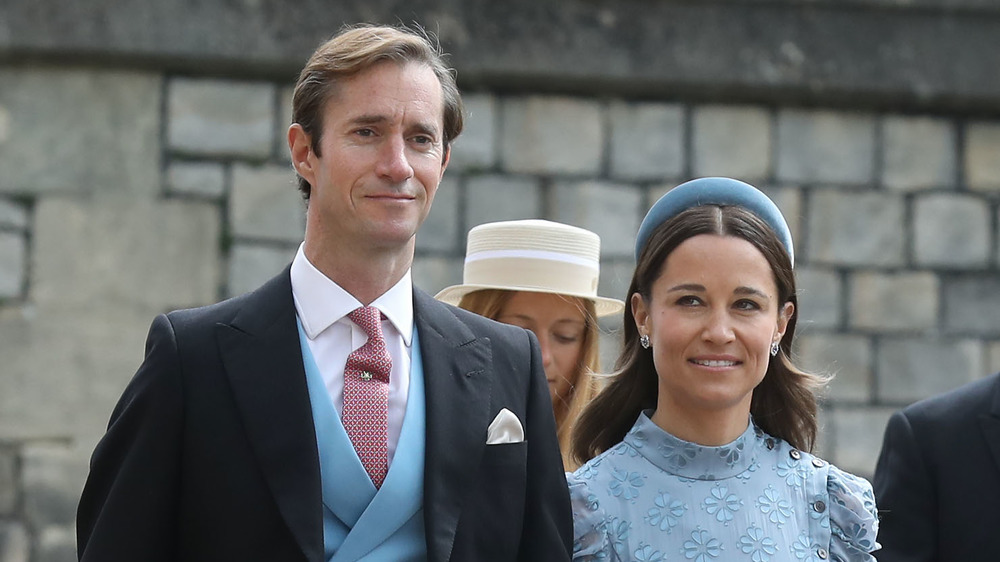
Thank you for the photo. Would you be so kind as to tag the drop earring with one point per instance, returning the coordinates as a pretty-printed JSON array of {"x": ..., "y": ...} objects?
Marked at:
[
  {"x": 774, "y": 348},
  {"x": 644, "y": 341}
]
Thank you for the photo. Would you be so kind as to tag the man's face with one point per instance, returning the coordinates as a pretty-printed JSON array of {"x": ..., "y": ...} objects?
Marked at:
[{"x": 382, "y": 158}]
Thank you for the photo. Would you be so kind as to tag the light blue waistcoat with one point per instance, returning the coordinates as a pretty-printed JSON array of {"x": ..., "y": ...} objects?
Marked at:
[{"x": 360, "y": 522}]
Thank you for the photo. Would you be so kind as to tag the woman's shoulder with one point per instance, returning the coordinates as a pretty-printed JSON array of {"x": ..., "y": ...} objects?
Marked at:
[
  {"x": 853, "y": 516},
  {"x": 850, "y": 501}
]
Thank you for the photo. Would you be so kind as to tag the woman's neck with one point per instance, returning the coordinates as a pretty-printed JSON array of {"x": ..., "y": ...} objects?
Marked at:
[{"x": 712, "y": 428}]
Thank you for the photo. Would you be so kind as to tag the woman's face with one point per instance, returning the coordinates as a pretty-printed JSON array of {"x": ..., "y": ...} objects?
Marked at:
[
  {"x": 711, "y": 318},
  {"x": 560, "y": 325}
]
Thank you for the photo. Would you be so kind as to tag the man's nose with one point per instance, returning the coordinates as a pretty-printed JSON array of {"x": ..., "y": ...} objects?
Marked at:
[{"x": 393, "y": 163}]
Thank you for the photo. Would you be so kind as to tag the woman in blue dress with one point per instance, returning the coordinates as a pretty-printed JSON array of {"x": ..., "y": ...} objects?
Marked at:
[{"x": 699, "y": 447}]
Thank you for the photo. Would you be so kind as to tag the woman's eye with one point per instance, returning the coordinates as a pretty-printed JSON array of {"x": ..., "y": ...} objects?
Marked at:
[
  {"x": 746, "y": 304},
  {"x": 567, "y": 338},
  {"x": 689, "y": 300}
]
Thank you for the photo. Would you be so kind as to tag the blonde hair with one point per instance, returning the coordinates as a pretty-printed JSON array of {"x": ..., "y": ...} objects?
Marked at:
[{"x": 490, "y": 303}]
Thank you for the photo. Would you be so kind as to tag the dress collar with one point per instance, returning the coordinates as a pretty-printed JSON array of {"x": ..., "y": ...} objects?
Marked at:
[
  {"x": 690, "y": 460},
  {"x": 320, "y": 302}
]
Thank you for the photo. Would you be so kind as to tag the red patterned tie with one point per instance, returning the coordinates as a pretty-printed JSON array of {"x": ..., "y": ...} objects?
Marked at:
[{"x": 366, "y": 395}]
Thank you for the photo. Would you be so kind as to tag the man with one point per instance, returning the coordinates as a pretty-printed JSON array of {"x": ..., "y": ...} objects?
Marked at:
[
  {"x": 937, "y": 481},
  {"x": 299, "y": 423}
]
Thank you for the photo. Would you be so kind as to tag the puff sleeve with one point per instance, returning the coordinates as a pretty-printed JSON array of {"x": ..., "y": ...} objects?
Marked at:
[
  {"x": 853, "y": 517},
  {"x": 590, "y": 539}
]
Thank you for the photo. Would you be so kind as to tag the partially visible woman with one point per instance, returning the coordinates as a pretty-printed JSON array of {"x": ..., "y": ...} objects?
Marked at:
[
  {"x": 542, "y": 276},
  {"x": 699, "y": 449}
]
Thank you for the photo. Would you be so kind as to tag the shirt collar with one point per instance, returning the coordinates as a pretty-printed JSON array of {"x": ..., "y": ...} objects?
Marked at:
[{"x": 319, "y": 302}]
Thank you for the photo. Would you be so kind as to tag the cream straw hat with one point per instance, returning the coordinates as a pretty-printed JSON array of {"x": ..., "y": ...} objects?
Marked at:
[{"x": 533, "y": 255}]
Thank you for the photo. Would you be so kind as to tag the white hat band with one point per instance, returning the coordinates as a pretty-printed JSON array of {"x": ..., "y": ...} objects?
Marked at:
[{"x": 533, "y": 254}]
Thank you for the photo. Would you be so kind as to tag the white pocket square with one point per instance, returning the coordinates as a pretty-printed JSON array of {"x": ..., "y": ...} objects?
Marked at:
[{"x": 505, "y": 428}]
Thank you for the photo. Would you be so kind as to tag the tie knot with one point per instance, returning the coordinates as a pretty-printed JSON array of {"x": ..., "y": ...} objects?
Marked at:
[{"x": 369, "y": 319}]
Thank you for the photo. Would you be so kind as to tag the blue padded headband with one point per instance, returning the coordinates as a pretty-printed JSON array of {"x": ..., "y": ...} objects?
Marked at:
[{"x": 714, "y": 191}]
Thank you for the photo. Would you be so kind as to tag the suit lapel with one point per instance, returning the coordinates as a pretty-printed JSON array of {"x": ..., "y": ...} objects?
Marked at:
[
  {"x": 990, "y": 424},
  {"x": 260, "y": 350},
  {"x": 458, "y": 377}
]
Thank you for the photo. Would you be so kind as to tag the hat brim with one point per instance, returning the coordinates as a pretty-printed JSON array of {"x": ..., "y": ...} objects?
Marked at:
[{"x": 603, "y": 306}]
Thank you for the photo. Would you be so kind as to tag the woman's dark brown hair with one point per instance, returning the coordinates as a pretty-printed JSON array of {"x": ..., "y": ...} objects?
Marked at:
[{"x": 783, "y": 404}]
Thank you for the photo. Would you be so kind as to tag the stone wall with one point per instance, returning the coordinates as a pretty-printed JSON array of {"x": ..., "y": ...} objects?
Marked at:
[{"x": 136, "y": 178}]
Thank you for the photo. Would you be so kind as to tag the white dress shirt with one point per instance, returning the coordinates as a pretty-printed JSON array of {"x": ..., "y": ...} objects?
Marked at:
[{"x": 322, "y": 307}]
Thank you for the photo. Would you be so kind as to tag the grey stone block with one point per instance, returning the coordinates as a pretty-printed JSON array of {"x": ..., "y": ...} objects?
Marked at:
[
  {"x": 501, "y": 197},
  {"x": 893, "y": 302},
  {"x": 250, "y": 265},
  {"x": 616, "y": 275},
  {"x": 819, "y": 292},
  {"x": 56, "y": 544},
  {"x": 610, "y": 210},
  {"x": 220, "y": 118},
  {"x": 993, "y": 360},
  {"x": 825, "y": 147},
  {"x": 12, "y": 264},
  {"x": 972, "y": 304},
  {"x": 951, "y": 231},
  {"x": 113, "y": 252},
  {"x": 65, "y": 367},
  {"x": 202, "y": 179},
  {"x": 476, "y": 147},
  {"x": 551, "y": 135},
  {"x": 15, "y": 546},
  {"x": 918, "y": 153},
  {"x": 982, "y": 156},
  {"x": 433, "y": 273},
  {"x": 13, "y": 215},
  {"x": 789, "y": 201},
  {"x": 857, "y": 434},
  {"x": 53, "y": 479},
  {"x": 101, "y": 269},
  {"x": 647, "y": 140},
  {"x": 9, "y": 484},
  {"x": 80, "y": 130},
  {"x": 910, "y": 369},
  {"x": 845, "y": 356},
  {"x": 284, "y": 121},
  {"x": 265, "y": 204},
  {"x": 855, "y": 229},
  {"x": 731, "y": 141},
  {"x": 440, "y": 230}
]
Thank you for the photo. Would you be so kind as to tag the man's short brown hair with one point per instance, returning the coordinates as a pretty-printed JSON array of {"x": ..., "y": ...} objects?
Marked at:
[{"x": 358, "y": 48}]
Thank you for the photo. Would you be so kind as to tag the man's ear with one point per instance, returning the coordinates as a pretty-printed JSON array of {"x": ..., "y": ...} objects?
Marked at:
[
  {"x": 446, "y": 159},
  {"x": 300, "y": 148}
]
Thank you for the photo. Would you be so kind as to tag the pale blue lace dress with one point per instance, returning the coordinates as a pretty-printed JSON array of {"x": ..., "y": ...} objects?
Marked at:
[{"x": 654, "y": 497}]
